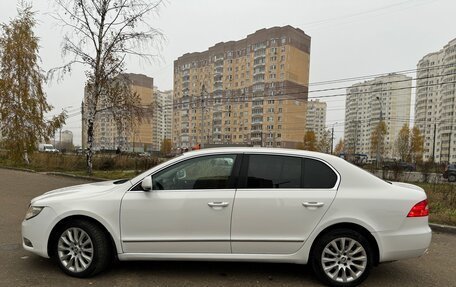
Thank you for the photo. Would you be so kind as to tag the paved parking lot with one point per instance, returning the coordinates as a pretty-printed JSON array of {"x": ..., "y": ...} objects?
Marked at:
[{"x": 20, "y": 268}]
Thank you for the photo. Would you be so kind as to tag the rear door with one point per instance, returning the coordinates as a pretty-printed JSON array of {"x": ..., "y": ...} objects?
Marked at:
[{"x": 280, "y": 200}]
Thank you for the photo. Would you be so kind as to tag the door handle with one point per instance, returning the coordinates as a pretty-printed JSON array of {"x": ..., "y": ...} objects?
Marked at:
[
  {"x": 313, "y": 204},
  {"x": 218, "y": 204}
]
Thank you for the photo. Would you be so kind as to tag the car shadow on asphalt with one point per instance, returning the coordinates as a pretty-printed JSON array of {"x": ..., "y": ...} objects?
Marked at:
[
  {"x": 219, "y": 273},
  {"x": 269, "y": 271},
  {"x": 199, "y": 273}
]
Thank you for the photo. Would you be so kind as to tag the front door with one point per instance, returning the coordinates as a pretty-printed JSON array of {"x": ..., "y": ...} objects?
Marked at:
[{"x": 188, "y": 209}]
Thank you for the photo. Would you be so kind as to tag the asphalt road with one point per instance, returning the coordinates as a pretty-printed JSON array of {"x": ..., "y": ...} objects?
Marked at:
[{"x": 20, "y": 268}]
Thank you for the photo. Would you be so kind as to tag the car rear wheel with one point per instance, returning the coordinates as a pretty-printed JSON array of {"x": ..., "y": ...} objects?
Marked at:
[
  {"x": 452, "y": 178},
  {"x": 82, "y": 249},
  {"x": 342, "y": 257}
]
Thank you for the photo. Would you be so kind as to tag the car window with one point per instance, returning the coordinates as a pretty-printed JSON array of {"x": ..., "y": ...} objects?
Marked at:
[
  {"x": 317, "y": 174},
  {"x": 207, "y": 172},
  {"x": 273, "y": 171}
]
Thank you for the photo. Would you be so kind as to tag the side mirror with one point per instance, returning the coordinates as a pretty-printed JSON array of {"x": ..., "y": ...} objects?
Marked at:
[{"x": 146, "y": 184}]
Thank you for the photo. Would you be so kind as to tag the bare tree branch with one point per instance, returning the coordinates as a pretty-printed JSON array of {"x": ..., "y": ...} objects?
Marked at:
[{"x": 103, "y": 33}]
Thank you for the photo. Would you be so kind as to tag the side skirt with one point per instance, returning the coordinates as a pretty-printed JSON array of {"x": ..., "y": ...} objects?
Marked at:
[{"x": 282, "y": 258}]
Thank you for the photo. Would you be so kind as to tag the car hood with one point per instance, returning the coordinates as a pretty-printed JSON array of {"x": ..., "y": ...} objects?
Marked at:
[{"x": 83, "y": 190}]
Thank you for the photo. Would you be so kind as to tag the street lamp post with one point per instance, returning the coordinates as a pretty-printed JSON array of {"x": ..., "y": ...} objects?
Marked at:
[{"x": 378, "y": 135}]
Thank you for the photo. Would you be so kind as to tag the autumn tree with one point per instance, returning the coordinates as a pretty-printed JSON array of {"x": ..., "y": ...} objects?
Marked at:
[
  {"x": 23, "y": 102},
  {"x": 377, "y": 139},
  {"x": 102, "y": 34},
  {"x": 340, "y": 147},
  {"x": 166, "y": 147},
  {"x": 310, "y": 141},
  {"x": 403, "y": 143},
  {"x": 324, "y": 144},
  {"x": 416, "y": 145}
]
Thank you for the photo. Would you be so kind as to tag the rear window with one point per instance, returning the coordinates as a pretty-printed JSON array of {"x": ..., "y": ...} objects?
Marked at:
[
  {"x": 274, "y": 171},
  {"x": 317, "y": 174}
]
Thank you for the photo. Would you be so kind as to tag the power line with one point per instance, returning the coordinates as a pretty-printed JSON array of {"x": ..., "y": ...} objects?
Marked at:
[
  {"x": 283, "y": 96},
  {"x": 366, "y": 77}
]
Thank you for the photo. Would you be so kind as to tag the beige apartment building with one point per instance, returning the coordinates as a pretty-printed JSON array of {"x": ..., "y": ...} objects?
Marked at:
[
  {"x": 247, "y": 92},
  {"x": 106, "y": 134},
  {"x": 387, "y": 96},
  {"x": 316, "y": 118},
  {"x": 162, "y": 118},
  {"x": 66, "y": 137},
  {"x": 434, "y": 103}
]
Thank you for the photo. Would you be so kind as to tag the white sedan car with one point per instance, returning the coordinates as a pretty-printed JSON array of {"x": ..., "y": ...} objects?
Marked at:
[{"x": 235, "y": 204}]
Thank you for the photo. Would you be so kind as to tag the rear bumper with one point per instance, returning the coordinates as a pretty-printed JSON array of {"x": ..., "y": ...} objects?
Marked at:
[{"x": 412, "y": 240}]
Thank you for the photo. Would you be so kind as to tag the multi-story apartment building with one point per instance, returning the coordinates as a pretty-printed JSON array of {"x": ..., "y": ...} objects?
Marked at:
[
  {"x": 247, "y": 92},
  {"x": 107, "y": 135},
  {"x": 66, "y": 137},
  {"x": 162, "y": 118},
  {"x": 387, "y": 96},
  {"x": 316, "y": 118},
  {"x": 434, "y": 103}
]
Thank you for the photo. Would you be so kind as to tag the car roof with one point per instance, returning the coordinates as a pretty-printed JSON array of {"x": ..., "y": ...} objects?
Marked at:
[{"x": 282, "y": 151}]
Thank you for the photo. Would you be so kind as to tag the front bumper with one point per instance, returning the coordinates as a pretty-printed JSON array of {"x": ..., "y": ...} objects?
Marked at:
[{"x": 36, "y": 231}]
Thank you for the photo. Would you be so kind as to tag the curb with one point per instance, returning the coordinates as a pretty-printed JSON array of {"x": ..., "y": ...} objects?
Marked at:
[
  {"x": 96, "y": 179},
  {"x": 18, "y": 169},
  {"x": 56, "y": 173},
  {"x": 443, "y": 228}
]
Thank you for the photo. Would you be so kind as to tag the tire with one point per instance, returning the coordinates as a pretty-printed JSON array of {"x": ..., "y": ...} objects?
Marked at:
[
  {"x": 81, "y": 248},
  {"x": 324, "y": 255},
  {"x": 452, "y": 178}
]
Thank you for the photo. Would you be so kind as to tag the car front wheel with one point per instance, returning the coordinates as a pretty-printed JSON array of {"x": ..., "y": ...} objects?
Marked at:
[
  {"x": 342, "y": 257},
  {"x": 452, "y": 178},
  {"x": 82, "y": 249}
]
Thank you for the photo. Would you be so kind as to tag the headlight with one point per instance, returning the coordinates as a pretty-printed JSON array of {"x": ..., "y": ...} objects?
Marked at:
[{"x": 33, "y": 211}]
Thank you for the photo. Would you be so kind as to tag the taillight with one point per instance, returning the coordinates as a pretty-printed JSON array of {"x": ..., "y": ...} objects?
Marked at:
[{"x": 420, "y": 209}]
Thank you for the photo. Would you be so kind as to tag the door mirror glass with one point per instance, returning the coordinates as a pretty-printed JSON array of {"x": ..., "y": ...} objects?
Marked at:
[
  {"x": 146, "y": 184},
  {"x": 181, "y": 174}
]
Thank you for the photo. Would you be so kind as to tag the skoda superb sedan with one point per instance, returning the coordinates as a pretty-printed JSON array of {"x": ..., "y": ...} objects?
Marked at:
[{"x": 235, "y": 204}]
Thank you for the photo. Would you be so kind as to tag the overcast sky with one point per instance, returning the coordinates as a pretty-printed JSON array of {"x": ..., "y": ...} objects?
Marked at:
[{"x": 350, "y": 38}]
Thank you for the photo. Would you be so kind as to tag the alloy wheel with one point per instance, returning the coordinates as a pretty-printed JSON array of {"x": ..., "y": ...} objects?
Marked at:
[
  {"x": 75, "y": 249},
  {"x": 344, "y": 259}
]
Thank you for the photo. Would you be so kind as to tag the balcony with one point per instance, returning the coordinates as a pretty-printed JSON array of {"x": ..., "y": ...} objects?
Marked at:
[
  {"x": 257, "y": 120},
  {"x": 259, "y": 62},
  {"x": 259, "y": 54},
  {"x": 218, "y": 86},
  {"x": 218, "y": 62},
  {"x": 218, "y": 71},
  {"x": 258, "y": 78}
]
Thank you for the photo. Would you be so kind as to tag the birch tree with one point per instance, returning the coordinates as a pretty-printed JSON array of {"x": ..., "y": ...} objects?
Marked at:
[
  {"x": 403, "y": 143},
  {"x": 102, "y": 34},
  {"x": 23, "y": 102},
  {"x": 340, "y": 147}
]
